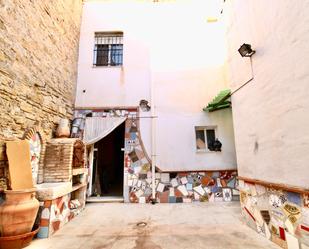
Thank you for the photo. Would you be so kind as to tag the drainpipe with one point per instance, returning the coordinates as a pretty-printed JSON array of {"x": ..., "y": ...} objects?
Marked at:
[{"x": 153, "y": 138}]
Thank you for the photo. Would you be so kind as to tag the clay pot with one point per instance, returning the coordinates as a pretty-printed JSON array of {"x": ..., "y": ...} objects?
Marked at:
[
  {"x": 18, "y": 212},
  {"x": 18, "y": 241},
  {"x": 63, "y": 129}
]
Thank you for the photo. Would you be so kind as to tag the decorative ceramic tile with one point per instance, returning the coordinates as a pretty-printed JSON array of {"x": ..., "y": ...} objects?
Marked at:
[
  {"x": 292, "y": 241},
  {"x": 275, "y": 201},
  {"x": 184, "y": 180},
  {"x": 133, "y": 156},
  {"x": 174, "y": 182},
  {"x": 231, "y": 183},
  {"x": 183, "y": 190},
  {"x": 260, "y": 189},
  {"x": 165, "y": 177},
  {"x": 172, "y": 199},
  {"x": 43, "y": 232},
  {"x": 186, "y": 200},
  {"x": 196, "y": 196},
  {"x": 134, "y": 182},
  {"x": 199, "y": 189},
  {"x": 158, "y": 175},
  {"x": 45, "y": 213},
  {"x": 290, "y": 226},
  {"x": 189, "y": 186},
  {"x": 137, "y": 169},
  {"x": 179, "y": 200},
  {"x": 164, "y": 197},
  {"x": 207, "y": 190},
  {"x": 235, "y": 192},
  {"x": 218, "y": 198},
  {"x": 291, "y": 209},
  {"x": 306, "y": 200},
  {"x": 266, "y": 216},
  {"x": 160, "y": 187},
  {"x": 218, "y": 182},
  {"x": 139, "y": 193},
  {"x": 211, "y": 198},
  {"x": 172, "y": 191},
  {"x": 227, "y": 194},
  {"x": 294, "y": 198}
]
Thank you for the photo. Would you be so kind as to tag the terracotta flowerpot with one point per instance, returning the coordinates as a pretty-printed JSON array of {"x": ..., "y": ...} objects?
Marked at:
[
  {"x": 18, "y": 241},
  {"x": 18, "y": 212},
  {"x": 63, "y": 129}
]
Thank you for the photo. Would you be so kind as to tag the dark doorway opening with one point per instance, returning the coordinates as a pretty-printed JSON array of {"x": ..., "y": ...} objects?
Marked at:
[{"x": 108, "y": 164}]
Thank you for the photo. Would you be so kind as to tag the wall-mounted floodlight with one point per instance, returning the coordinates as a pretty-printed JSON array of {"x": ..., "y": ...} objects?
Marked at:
[
  {"x": 245, "y": 50},
  {"x": 143, "y": 104}
]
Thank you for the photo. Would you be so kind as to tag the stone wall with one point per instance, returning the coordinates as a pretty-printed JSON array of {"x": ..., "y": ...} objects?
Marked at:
[{"x": 38, "y": 64}]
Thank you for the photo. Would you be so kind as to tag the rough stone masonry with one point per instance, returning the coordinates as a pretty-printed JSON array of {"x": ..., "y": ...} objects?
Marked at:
[{"x": 38, "y": 64}]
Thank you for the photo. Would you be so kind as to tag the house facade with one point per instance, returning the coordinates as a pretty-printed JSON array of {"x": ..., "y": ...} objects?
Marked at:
[{"x": 170, "y": 57}]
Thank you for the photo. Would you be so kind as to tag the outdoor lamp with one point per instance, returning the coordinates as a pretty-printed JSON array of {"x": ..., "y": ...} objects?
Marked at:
[
  {"x": 245, "y": 50},
  {"x": 143, "y": 104}
]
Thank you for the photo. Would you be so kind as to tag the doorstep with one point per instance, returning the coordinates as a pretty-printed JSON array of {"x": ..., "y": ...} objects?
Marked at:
[{"x": 106, "y": 199}]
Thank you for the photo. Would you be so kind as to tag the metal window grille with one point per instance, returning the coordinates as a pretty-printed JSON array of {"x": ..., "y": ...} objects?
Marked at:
[{"x": 108, "y": 49}]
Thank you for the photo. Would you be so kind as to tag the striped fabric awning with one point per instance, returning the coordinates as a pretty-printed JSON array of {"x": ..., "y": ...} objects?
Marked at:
[{"x": 97, "y": 128}]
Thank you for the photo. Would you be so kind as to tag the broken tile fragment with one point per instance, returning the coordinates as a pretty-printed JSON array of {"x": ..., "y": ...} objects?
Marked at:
[
  {"x": 186, "y": 200},
  {"x": 164, "y": 197},
  {"x": 227, "y": 194},
  {"x": 292, "y": 241},
  {"x": 174, "y": 182},
  {"x": 158, "y": 175},
  {"x": 294, "y": 198},
  {"x": 184, "y": 180},
  {"x": 179, "y": 200},
  {"x": 172, "y": 191},
  {"x": 199, "y": 189},
  {"x": 139, "y": 193},
  {"x": 142, "y": 199},
  {"x": 183, "y": 190},
  {"x": 189, "y": 186},
  {"x": 165, "y": 177},
  {"x": 231, "y": 183},
  {"x": 172, "y": 199},
  {"x": 160, "y": 187}
]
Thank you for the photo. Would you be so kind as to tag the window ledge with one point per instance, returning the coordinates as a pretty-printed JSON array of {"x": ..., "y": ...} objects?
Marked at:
[
  {"x": 206, "y": 151},
  {"x": 93, "y": 66}
]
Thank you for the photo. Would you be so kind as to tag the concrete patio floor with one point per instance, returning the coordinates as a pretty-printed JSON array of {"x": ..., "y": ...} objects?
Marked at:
[{"x": 181, "y": 226}]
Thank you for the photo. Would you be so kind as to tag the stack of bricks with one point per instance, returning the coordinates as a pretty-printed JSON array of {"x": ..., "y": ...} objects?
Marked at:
[{"x": 58, "y": 160}]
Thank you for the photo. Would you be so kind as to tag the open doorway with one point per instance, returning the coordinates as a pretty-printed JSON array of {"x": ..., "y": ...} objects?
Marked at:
[{"x": 108, "y": 164}]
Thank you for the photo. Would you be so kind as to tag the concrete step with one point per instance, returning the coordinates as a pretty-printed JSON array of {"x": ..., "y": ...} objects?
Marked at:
[{"x": 105, "y": 199}]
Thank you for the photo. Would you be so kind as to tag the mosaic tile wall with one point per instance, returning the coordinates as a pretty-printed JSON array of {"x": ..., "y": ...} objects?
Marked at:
[
  {"x": 170, "y": 187},
  {"x": 280, "y": 216},
  {"x": 184, "y": 187},
  {"x": 53, "y": 214}
]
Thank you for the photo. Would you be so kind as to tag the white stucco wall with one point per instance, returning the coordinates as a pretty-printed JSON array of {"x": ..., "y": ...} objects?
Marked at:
[
  {"x": 271, "y": 112},
  {"x": 173, "y": 46}
]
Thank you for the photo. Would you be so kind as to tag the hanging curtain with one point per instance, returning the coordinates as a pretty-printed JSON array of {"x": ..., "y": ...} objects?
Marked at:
[{"x": 97, "y": 128}]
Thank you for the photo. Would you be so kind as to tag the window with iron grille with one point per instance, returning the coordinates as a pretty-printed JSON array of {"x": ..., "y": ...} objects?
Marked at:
[{"x": 108, "y": 49}]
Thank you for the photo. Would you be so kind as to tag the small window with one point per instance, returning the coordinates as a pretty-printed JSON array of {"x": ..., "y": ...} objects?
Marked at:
[
  {"x": 108, "y": 49},
  {"x": 205, "y": 138}
]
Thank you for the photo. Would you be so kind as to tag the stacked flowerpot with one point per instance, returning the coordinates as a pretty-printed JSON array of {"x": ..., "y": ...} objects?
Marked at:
[
  {"x": 18, "y": 214},
  {"x": 19, "y": 210}
]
